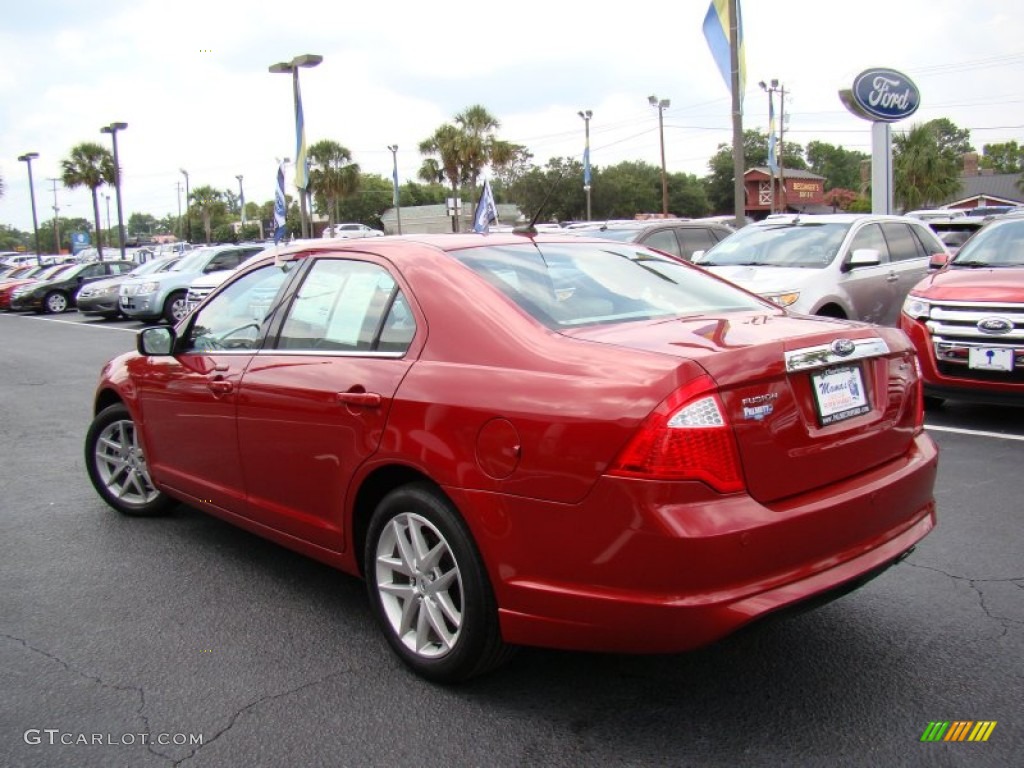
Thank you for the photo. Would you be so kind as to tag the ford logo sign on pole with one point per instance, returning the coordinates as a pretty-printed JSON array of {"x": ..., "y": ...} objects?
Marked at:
[{"x": 882, "y": 96}]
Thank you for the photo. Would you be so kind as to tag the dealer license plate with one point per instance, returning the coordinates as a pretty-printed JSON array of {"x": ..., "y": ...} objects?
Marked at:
[
  {"x": 839, "y": 394},
  {"x": 990, "y": 359}
]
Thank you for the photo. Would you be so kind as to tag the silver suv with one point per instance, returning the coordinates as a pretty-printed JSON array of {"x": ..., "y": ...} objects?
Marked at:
[
  {"x": 162, "y": 295},
  {"x": 856, "y": 266}
]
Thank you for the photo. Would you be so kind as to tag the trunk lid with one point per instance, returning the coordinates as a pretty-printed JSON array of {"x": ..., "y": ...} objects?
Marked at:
[{"x": 811, "y": 401}]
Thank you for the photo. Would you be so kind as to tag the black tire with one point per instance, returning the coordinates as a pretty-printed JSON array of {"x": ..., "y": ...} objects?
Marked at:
[
  {"x": 442, "y": 620},
  {"x": 55, "y": 302},
  {"x": 175, "y": 307},
  {"x": 117, "y": 466}
]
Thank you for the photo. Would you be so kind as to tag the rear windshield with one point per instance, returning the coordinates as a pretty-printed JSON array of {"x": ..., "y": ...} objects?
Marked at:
[{"x": 565, "y": 285}]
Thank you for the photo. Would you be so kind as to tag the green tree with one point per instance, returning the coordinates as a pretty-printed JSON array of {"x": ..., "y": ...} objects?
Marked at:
[
  {"x": 333, "y": 176},
  {"x": 208, "y": 202},
  {"x": 952, "y": 142},
  {"x": 12, "y": 239},
  {"x": 89, "y": 165},
  {"x": 554, "y": 192},
  {"x": 839, "y": 166},
  {"x": 923, "y": 174},
  {"x": 374, "y": 196},
  {"x": 443, "y": 157},
  {"x": 1006, "y": 157}
]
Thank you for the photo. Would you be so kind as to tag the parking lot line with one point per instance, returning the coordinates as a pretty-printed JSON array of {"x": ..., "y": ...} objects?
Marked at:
[{"x": 978, "y": 432}]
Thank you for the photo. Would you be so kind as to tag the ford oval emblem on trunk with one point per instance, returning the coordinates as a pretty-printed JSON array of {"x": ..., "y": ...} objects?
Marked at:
[
  {"x": 995, "y": 325},
  {"x": 843, "y": 347}
]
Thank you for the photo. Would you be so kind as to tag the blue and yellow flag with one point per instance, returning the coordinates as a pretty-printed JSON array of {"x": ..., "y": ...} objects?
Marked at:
[
  {"x": 279, "y": 205},
  {"x": 486, "y": 210},
  {"x": 773, "y": 157},
  {"x": 301, "y": 164},
  {"x": 716, "y": 31}
]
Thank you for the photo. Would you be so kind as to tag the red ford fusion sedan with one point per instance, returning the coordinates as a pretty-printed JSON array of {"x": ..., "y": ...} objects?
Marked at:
[{"x": 522, "y": 439}]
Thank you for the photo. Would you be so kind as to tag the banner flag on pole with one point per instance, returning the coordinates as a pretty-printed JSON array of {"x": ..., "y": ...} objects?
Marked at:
[
  {"x": 279, "y": 205},
  {"x": 301, "y": 164},
  {"x": 586, "y": 166},
  {"x": 486, "y": 210},
  {"x": 716, "y": 32},
  {"x": 773, "y": 158}
]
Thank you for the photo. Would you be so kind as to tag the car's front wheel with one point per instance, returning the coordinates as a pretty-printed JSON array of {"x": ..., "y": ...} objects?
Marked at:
[
  {"x": 428, "y": 587},
  {"x": 176, "y": 307},
  {"x": 117, "y": 466}
]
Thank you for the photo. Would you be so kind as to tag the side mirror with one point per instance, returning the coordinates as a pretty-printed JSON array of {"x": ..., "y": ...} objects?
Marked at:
[
  {"x": 697, "y": 256},
  {"x": 938, "y": 260},
  {"x": 863, "y": 257},
  {"x": 157, "y": 341}
]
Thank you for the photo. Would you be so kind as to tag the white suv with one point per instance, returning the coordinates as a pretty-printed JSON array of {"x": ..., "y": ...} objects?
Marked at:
[{"x": 855, "y": 266}]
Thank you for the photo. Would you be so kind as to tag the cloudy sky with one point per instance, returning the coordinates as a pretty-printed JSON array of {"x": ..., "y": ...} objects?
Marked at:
[{"x": 190, "y": 78}]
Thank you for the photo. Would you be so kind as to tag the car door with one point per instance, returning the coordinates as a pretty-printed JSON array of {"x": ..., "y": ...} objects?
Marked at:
[
  {"x": 908, "y": 262},
  {"x": 869, "y": 289},
  {"x": 189, "y": 401},
  {"x": 313, "y": 408}
]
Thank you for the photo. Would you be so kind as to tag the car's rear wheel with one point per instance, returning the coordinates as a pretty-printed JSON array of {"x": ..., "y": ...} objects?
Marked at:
[
  {"x": 428, "y": 587},
  {"x": 117, "y": 467},
  {"x": 55, "y": 302},
  {"x": 176, "y": 307}
]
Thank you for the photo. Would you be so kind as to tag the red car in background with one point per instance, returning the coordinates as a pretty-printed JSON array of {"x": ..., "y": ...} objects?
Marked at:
[
  {"x": 522, "y": 439},
  {"x": 967, "y": 319}
]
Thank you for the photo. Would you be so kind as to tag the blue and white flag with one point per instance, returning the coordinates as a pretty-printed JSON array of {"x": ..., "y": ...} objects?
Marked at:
[
  {"x": 586, "y": 166},
  {"x": 773, "y": 158},
  {"x": 279, "y": 205},
  {"x": 486, "y": 210},
  {"x": 716, "y": 31}
]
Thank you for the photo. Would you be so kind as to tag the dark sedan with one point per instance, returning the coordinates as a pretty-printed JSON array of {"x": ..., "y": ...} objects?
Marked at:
[{"x": 57, "y": 294}]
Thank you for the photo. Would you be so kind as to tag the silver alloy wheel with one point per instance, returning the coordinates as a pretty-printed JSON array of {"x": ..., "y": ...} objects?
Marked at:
[
  {"x": 121, "y": 464},
  {"x": 420, "y": 585},
  {"x": 179, "y": 308},
  {"x": 56, "y": 303}
]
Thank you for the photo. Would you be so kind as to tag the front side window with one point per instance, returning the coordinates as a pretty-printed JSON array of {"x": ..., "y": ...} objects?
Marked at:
[
  {"x": 870, "y": 237},
  {"x": 235, "y": 317},
  {"x": 348, "y": 306}
]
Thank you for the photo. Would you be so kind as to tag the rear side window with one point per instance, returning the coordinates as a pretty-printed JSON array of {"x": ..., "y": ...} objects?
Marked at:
[
  {"x": 694, "y": 239},
  {"x": 664, "y": 240},
  {"x": 903, "y": 244}
]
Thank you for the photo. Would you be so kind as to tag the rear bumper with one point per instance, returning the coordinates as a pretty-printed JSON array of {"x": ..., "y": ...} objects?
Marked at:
[{"x": 635, "y": 569}]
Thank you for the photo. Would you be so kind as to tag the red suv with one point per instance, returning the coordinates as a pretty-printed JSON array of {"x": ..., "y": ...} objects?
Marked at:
[{"x": 967, "y": 319}]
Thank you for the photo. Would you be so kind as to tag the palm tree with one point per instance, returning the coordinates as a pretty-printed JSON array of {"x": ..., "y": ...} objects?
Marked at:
[
  {"x": 89, "y": 165},
  {"x": 444, "y": 158},
  {"x": 333, "y": 175},
  {"x": 480, "y": 146},
  {"x": 923, "y": 174},
  {"x": 208, "y": 202}
]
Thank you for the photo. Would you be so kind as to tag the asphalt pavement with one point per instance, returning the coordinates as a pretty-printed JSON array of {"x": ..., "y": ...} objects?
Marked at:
[{"x": 185, "y": 641}]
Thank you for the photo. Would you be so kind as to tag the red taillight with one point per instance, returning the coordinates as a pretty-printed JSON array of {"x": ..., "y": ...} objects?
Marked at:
[
  {"x": 687, "y": 437},
  {"x": 919, "y": 397}
]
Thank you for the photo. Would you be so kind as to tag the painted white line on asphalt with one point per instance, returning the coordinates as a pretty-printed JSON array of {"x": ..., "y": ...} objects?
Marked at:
[
  {"x": 978, "y": 432},
  {"x": 82, "y": 325}
]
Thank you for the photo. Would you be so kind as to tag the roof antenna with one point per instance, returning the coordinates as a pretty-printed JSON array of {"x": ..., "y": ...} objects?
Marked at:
[{"x": 531, "y": 228}]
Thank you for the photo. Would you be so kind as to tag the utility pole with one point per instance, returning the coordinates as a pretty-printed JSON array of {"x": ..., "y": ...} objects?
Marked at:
[
  {"x": 782, "y": 134},
  {"x": 56, "y": 217}
]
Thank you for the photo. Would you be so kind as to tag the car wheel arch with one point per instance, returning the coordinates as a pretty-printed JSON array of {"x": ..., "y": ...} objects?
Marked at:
[{"x": 832, "y": 309}]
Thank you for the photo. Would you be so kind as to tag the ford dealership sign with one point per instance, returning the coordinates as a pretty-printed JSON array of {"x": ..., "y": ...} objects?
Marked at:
[{"x": 882, "y": 95}]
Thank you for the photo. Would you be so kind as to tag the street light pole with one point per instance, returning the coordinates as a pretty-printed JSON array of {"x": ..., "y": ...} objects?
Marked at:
[
  {"x": 112, "y": 129},
  {"x": 188, "y": 215},
  {"x": 241, "y": 201},
  {"x": 27, "y": 158},
  {"x": 301, "y": 166},
  {"x": 661, "y": 106},
  {"x": 394, "y": 177},
  {"x": 586, "y": 115}
]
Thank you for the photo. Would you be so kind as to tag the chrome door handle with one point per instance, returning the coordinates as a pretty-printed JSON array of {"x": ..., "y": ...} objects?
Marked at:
[{"x": 364, "y": 399}]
